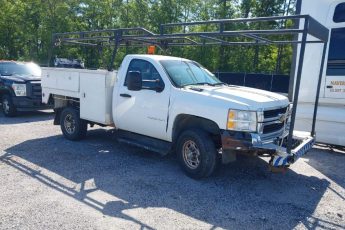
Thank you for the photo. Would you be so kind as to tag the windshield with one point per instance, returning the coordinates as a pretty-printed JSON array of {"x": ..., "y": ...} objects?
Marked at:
[
  {"x": 13, "y": 68},
  {"x": 184, "y": 73}
]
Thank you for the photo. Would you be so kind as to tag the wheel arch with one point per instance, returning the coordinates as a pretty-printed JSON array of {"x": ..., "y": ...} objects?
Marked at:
[
  {"x": 6, "y": 91},
  {"x": 183, "y": 122},
  {"x": 61, "y": 102}
]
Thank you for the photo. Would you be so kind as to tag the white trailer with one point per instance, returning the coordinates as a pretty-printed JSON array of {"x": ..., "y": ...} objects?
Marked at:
[{"x": 330, "y": 123}]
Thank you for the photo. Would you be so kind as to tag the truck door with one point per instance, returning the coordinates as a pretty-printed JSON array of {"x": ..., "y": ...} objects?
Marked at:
[
  {"x": 144, "y": 111},
  {"x": 335, "y": 74}
]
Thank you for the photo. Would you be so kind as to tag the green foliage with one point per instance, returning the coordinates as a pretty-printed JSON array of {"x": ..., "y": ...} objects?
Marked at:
[{"x": 26, "y": 28}]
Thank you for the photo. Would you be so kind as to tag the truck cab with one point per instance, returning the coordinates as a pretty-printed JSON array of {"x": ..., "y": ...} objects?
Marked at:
[
  {"x": 175, "y": 88},
  {"x": 20, "y": 87}
]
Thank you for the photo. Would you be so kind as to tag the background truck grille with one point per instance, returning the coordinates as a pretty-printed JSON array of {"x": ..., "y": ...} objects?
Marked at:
[{"x": 35, "y": 90}]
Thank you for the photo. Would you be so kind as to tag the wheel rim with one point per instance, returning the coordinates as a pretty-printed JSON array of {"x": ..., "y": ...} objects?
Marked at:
[
  {"x": 191, "y": 154},
  {"x": 6, "y": 106},
  {"x": 69, "y": 123}
]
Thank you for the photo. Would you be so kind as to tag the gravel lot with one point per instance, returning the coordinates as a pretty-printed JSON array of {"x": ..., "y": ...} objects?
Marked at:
[{"x": 47, "y": 182}]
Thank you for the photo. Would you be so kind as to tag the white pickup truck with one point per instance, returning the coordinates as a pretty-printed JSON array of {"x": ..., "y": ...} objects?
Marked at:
[{"x": 169, "y": 104}]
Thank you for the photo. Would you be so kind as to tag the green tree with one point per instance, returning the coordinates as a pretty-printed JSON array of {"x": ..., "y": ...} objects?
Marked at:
[{"x": 26, "y": 28}]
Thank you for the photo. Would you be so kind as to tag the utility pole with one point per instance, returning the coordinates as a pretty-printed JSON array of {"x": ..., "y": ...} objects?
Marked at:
[
  {"x": 127, "y": 22},
  {"x": 287, "y": 4},
  {"x": 224, "y": 5},
  {"x": 127, "y": 19},
  {"x": 222, "y": 48}
]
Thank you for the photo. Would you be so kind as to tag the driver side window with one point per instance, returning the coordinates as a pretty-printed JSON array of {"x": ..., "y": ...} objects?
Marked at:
[{"x": 148, "y": 72}]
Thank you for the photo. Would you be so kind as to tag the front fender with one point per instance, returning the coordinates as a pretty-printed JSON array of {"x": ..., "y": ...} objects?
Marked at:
[
  {"x": 5, "y": 88},
  {"x": 199, "y": 105}
]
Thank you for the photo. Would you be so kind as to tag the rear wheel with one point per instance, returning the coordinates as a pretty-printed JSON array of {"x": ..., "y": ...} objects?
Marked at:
[
  {"x": 7, "y": 106},
  {"x": 197, "y": 153},
  {"x": 72, "y": 127}
]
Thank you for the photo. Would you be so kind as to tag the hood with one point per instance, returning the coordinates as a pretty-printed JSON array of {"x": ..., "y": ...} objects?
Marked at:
[
  {"x": 22, "y": 78},
  {"x": 250, "y": 98}
]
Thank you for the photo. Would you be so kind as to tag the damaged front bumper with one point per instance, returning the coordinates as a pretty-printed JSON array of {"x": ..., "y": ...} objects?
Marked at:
[
  {"x": 275, "y": 147},
  {"x": 302, "y": 141}
]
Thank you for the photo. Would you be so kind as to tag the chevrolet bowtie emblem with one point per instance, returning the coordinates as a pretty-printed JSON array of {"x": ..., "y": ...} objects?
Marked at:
[{"x": 282, "y": 118}]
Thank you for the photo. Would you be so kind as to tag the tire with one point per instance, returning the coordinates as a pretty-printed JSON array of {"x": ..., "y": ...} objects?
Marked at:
[
  {"x": 72, "y": 127},
  {"x": 7, "y": 106},
  {"x": 197, "y": 153}
]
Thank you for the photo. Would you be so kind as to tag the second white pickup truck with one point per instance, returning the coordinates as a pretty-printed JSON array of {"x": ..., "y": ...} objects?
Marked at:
[{"x": 169, "y": 104}]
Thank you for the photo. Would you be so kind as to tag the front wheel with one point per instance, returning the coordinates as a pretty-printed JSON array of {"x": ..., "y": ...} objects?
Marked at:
[
  {"x": 197, "y": 153},
  {"x": 7, "y": 106},
  {"x": 72, "y": 127}
]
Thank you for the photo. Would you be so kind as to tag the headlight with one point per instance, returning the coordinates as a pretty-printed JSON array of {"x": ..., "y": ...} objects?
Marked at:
[
  {"x": 239, "y": 120},
  {"x": 19, "y": 89}
]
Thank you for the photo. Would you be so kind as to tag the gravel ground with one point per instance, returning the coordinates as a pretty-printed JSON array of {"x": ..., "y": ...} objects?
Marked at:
[{"x": 47, "y": 182}]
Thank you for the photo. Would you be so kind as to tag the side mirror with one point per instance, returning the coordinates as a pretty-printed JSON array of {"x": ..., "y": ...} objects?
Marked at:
[
  {"x": 134, "y": 81},
  {"x": 159, "y": 86}
]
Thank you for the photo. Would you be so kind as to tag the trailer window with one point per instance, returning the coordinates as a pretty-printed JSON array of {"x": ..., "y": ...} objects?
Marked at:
[
  {"x": 336, "y": 55},
  {"x": 339, "y": 13}
]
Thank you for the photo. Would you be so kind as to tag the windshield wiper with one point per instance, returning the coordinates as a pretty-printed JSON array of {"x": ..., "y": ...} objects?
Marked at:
[
  {"x": 207, "y": 83},
  {"x": 219, "y": 83},
  {"x": 199, "y": 83}
]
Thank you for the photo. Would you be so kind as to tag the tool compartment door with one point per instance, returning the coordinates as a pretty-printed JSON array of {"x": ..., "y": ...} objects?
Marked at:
[
  {"x": 60, "y": 79},
  {"x": 92, "y": 97}
]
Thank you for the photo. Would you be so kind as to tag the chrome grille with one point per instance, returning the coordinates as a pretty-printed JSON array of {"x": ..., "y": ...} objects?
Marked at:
[
  {"x": 271, "y": 126},
  {"x": 274, "y": 113}
]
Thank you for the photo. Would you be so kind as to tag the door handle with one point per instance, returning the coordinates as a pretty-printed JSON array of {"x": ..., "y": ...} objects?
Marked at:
[
  {"x": 329, "y": 86},
  {"x": 125, "y": 95}
]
